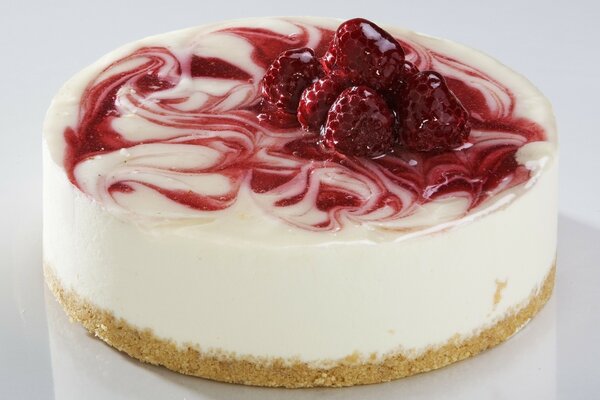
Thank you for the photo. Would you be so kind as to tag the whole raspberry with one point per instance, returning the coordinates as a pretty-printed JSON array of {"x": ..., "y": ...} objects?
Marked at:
[
  {"x": 288, "y": 76},
  {"x": 316, "y": 101},
  {"x": 359, "y": 123},
  {"x": 367, "y": 53},
  {"x": 431, "y": 117}
]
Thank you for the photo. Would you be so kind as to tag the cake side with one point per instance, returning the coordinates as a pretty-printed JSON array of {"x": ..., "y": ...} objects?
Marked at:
[
  {"x": 369, "y": 297},
  {"x": 355, "y": 369}
]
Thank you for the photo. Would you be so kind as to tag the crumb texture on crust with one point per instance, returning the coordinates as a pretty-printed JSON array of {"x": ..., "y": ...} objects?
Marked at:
[{"x": 143, "y": 345}]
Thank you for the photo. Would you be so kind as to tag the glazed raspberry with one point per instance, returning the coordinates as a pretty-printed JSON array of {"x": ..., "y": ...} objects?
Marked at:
[
  {"x": 367, "y": 53},
  {"x": 432, "y": 118},
  {"x": 288, "y": 76},
  {"x": 408, "y": 69},
  {"x": 359, "y": 123},
  {"x": 397, "y": 90},
  {"x": 316, "y": 101}
]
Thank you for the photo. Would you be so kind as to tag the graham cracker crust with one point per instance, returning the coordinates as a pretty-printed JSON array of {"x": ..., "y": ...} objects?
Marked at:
[{"x": 143, "y": 345}]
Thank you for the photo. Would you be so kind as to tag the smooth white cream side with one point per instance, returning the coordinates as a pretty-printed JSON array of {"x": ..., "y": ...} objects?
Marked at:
[{"x": 314, "y": 303}]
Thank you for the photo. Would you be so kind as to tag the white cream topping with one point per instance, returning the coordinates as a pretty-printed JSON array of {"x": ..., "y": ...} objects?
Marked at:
[{"x": 143, "y": 117}]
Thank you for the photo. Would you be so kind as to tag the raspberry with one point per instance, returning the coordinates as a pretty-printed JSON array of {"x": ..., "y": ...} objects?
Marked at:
[
  {"x": 408, "y": 69},
  {"x": 288, "y": 76},
  {"x": 367, "y": 53},
  {"x": 431, "y": 117},
  {"x": 316, "y": 101},
  {"x": 397, "y": 91},
  {"x": 359, "y": 123}
]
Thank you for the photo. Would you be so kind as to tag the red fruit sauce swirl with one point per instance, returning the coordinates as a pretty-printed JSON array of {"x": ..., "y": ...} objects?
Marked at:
[{"x": 285, "y": 171}]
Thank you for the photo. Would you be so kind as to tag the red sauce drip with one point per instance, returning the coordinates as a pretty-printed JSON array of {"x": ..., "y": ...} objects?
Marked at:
[
  {"x": 330, "y": 197},
  {"x": 211, "y": 67},
  {"x": 265, "y": 181},
  {"x": 195, "y": 201}
]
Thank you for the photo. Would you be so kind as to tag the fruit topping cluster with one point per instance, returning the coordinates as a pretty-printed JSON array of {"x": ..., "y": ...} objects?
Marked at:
[{"x": 362, "y": 97}]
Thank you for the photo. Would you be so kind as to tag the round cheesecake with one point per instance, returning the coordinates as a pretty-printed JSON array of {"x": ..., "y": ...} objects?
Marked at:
[{"x": 187, "y": 230}]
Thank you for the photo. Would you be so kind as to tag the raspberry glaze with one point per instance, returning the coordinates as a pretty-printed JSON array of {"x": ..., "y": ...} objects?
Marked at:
[{"x": 284, "y": 170}]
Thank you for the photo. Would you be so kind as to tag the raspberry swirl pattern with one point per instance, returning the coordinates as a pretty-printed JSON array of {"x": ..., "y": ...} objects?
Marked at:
[{"x": 174, "y": 132}]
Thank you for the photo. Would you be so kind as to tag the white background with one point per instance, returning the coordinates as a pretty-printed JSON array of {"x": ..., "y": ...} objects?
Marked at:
[{"x": 43, "y": 43}]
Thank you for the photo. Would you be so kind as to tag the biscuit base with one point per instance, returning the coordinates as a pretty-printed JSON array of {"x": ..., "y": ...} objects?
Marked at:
[{"x": 143, "y": 345}]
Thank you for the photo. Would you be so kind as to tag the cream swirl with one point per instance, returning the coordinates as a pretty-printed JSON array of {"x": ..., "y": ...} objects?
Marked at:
[{"x": 172, "y": 132}]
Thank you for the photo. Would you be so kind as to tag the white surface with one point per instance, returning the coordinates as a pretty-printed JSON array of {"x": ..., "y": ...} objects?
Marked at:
[{"x": 43, "y": 44}]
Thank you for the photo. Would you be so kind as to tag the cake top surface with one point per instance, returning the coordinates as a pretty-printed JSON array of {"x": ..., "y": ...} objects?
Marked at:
[{"x": 168, "y": 132}]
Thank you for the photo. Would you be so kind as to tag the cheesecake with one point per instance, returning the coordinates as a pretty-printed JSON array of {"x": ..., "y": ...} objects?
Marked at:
[{"x": 299, "y": 202}]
